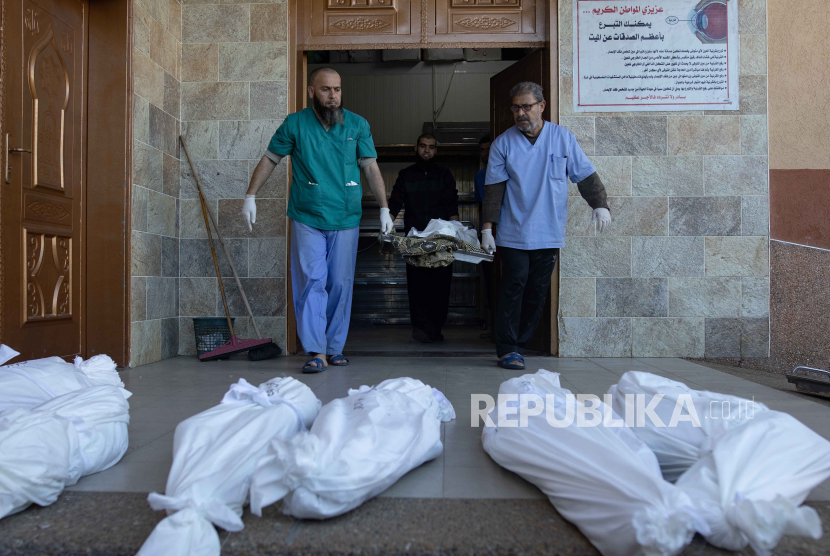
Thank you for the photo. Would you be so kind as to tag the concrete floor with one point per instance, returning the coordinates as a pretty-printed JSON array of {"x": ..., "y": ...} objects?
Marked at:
[
  {"x": 168, "y": 392},
  {"x": 460, "y": 503},
  {"x": 397, "y": 341}
]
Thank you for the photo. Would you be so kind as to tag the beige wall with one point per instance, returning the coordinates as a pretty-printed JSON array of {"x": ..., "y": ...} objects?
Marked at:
[
  {"x": 799, "y": 85},
  {"x": 684, "y": 270}
]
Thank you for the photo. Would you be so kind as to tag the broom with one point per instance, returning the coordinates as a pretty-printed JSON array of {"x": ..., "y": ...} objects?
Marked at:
[{"x": 257, "y": 349}]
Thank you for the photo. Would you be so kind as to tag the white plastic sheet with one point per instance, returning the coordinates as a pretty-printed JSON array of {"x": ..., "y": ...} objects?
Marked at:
[
  {"x": 452, "y": 228},
  {"x": 31, "y": 383},
  {"x": 751, "y": 485},
  {"x": 49, "y": 447},
  {"x": 679, "y": 447},
  {"x": 214, "y": 456},
  {"x": 36, "y": 459},
  {"x": 358, "y": 447},
  {"x": 593, "y": 475},
  {"x": 7, "y": 353}
]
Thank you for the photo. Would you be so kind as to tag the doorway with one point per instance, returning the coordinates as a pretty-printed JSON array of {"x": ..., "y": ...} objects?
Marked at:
[
  {"x": 423, "y": 26},
  {"x": 66, "y": 180},
  {"x": 457, "y": 95}
]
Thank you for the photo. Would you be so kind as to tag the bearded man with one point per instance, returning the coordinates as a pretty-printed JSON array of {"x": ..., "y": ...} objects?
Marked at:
[
  {"x": 426, "y": 191},
  {"x": 328, "y": 146}
]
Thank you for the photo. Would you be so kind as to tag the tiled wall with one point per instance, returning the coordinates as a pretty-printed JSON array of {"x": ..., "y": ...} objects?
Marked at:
[
  {"x": 233, "y": 98},
  {"x": 684, "y": 270},
  {"x": 157, "y": 27}
]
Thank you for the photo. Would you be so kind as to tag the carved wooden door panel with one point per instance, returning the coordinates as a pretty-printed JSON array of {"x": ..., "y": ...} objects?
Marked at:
[
  {"x": 488, "y": 21},
  {"x": 333, "y": 22},
  {"x": 42, "y": 199}
]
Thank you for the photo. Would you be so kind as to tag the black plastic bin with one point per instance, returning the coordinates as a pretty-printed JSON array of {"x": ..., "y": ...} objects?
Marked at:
[{"x": 211, "y": 333}]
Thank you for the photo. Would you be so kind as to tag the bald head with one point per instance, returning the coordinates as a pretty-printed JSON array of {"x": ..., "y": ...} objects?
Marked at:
[
  {"x": 325, "y": 94},
  {"x": 312, "y": 77}
]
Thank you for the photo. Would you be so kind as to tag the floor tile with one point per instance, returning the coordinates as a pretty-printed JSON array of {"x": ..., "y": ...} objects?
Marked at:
[
  {"x": 468, "y": 482},
  {"x": 159, "y": 450},
  {"x": 819, "y": 494},
  {"x": 126, "y": 476}
]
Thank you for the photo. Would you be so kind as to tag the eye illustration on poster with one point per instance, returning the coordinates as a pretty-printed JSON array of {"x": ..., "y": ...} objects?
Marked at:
[
  {"x": 664, "y": 55},
  {"x": 708, "y": 21}
]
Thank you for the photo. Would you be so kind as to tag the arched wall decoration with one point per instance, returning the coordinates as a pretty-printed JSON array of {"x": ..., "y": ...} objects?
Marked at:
[{"x": 49, "y": 88}]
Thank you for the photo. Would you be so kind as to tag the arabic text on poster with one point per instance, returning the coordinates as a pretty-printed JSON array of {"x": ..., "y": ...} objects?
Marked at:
[{"x": 662, "y": 55}]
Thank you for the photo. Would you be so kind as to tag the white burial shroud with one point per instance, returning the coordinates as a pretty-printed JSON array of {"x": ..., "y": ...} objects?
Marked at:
[
  {"x": 49, "y": 447},
  {"x": 30, "y": 383},
  {"x": 214, "y": 456},
  {"x": 679, "y": 447},
  {"x": 601, "y": 479},
  {"x": 358, "y": 447},
  {"x": 751, "y": 483}
]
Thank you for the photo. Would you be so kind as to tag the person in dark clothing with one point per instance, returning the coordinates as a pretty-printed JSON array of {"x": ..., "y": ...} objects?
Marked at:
[{"x": 426, "y": 191}]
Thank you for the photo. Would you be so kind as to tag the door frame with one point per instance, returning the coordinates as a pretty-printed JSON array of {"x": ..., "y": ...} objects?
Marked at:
[
  {"x": 297, "y": 64},
  {"x": 106, "y": 177},
  {"x": 108, "y": 190}
]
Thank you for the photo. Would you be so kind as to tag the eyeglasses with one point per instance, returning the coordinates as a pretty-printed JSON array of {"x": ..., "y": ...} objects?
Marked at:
[{"x": 523, "y": 107}]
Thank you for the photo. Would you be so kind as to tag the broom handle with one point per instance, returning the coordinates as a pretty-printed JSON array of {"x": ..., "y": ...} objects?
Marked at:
[
  {"x": 221, "y": 241},
  {"x": 210, "y": 240}
]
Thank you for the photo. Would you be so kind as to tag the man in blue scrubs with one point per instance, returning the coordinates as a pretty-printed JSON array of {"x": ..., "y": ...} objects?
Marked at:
[
  {"x": 526, "y": 193},
  {"x": 328, "y": 147}
]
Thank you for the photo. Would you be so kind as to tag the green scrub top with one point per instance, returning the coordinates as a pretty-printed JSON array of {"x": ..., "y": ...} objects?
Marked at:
[{"x": 325, "y": 181}]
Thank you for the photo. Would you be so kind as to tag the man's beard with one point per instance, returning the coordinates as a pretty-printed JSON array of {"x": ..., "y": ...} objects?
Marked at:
[
  {"x": 424, "y": 164},
  {"x": 330, "y": 116},
  {"x": 525, "y": 125}
]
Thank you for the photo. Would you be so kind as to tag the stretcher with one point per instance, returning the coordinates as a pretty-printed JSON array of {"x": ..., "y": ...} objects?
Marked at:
[{"x": 466, "y": 255}]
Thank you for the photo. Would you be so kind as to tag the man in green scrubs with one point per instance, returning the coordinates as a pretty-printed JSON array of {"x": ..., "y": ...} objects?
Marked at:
[{"x": 328, "y": 147}]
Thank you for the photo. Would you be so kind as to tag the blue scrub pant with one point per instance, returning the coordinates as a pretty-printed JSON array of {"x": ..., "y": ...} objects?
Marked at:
[{"x": 322, "y": 277}]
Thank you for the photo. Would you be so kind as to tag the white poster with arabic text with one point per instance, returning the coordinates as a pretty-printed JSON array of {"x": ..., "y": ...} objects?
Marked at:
[{"x": 660, "y": 55}]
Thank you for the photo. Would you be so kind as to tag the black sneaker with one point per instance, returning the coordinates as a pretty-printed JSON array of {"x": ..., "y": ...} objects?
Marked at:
[
  {"x": 420, "y": 336},
  {"x": 437, "y": 337}
]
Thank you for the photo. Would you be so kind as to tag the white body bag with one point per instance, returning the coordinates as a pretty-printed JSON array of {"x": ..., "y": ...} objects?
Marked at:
[
  {"x": 679, "y": 447},
  {"x": 358, "y": 447},
  {"x": 30, "y": 383},
  {"x": 751, "y": 485},
  {"x": 214, "y": 455},
  {"x": 601, "y": 479},
  {"x": 51, "y": 446}
]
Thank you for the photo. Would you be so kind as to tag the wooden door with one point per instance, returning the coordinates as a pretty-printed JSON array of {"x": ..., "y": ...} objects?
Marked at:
[
  {"x": 44, "y": 91},
  {"x": 534, "y": 67},
  {"x": 356, "y": 22},
  {"x": 495, "y": 21}
]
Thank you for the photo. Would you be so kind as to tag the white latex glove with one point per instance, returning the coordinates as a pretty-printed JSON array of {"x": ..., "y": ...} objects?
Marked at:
[
  {"x": 249, "y": 211},
  {"x": 602, "y": 217},
  {"x": 386, "y": 224},
  {"x": 487, "y": 241}
]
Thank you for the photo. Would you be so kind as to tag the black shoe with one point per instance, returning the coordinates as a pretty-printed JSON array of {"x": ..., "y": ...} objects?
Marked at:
[
  {"x": 420, "y": 336},
  {"x": 437, "y": 337}
]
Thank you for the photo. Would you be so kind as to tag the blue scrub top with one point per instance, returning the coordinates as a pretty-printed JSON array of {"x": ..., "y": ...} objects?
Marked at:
[{"x": 535, "y": 207}]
